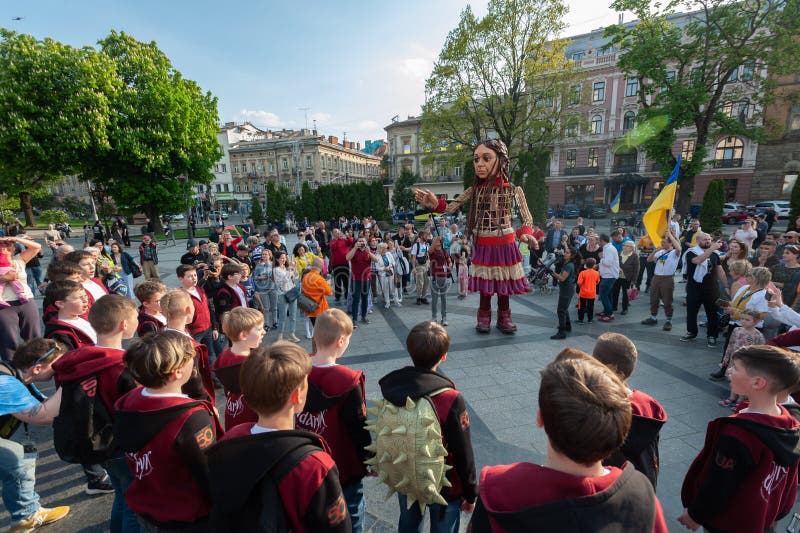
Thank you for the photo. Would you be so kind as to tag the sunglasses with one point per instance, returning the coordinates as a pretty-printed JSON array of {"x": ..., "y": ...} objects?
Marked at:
[{"x": 45, "y": 356}]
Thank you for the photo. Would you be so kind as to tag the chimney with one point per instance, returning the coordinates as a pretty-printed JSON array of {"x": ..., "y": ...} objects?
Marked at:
[
  {"x": 314, "y": 133},
  {"x": 358, "y": 146}
]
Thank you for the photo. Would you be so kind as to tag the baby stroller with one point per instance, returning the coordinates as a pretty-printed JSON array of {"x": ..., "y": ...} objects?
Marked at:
[{"x": 539, "y": 276}]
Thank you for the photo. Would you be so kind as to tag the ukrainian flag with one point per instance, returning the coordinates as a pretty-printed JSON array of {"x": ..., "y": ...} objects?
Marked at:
[
  {"x": 656, "y": 220},
  {"x": 615, "y": 202}
]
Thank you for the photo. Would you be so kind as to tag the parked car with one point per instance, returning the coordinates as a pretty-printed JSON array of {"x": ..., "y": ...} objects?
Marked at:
[
  {"x": 213, "y": 215},
  {"x": 571, "y": 211},
  {"x": 732, "y": 206},
  {"x": 594, "y": 212},
  {"x": 735, "y": 217},
  {"x": 781, "y": 207},
  {"x": 178, "y": 216}
]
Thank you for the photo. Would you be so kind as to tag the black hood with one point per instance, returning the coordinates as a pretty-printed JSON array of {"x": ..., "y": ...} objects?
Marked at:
[
  {"x": 134, "y": 429},
  {"x": 412, "y": 382},
  {"x": 238, "y": 465},
  {"x": 642, "y": 434},
  {"x": 784, "y": 442}
]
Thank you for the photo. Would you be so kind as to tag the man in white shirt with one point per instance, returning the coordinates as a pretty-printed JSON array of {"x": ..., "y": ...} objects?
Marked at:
[
  {"x": 663, "y": 286},
  {"x": 609, "y": 272}
]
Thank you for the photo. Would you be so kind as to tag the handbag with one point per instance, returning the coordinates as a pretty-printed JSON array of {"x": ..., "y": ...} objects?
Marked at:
[
  {"x": 293, "y": 294},
  {"x": 307, "y": 304},
  {"x": 633, "y": 294},
  {"x": 136, "y": 269}
]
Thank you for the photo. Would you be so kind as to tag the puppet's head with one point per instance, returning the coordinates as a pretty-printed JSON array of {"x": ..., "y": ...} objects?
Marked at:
[{"x": 490, "y": 158}]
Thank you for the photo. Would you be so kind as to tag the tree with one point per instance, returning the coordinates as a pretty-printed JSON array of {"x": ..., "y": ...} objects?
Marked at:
[
  {"x": 506, "y": 73},
  {"x": 163, "y": 128},
  {"x": 713, "y": 202},
  {"x": 699, "y": 76},
  {"x": 54, "y": 109},
  {"x": 533, "y": 169},
  {"x": 54, "y": 216},
  {"x": 403, "y": 195},
  {"x": 256, "y": 212}
]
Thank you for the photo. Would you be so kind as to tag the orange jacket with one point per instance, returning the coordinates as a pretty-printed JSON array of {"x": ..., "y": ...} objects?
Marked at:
[
  {"x": 316, "y": 287},
  {"x": 587, "y": 281}
]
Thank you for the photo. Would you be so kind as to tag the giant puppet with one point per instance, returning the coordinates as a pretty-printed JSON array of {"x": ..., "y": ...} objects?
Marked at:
[{"x": 496, "y": 259}]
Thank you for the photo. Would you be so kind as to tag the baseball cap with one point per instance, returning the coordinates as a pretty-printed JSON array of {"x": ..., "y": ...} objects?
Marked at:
[
  {"x": 191, "y": 244},
  {"x": 202, "y": 242}
]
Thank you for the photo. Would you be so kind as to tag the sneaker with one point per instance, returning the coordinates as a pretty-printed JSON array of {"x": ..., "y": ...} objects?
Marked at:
[
  {"x": 579, "y": 321},
  {"x": 703, "y": 324},
  {"x": 590, "y": 321},
  {"x": 712, "y": 342},
  {"x": 606, "y": 318},
  {"x": 667, "y": 326},
  {"x": 41, "y": 517},
  {"x": 687, "y": 338},
  {"x": 293, "y": 338},
  {"x": 649, "y": 321},
  {"x": 624, "y": 312},
  {"x": 719, "y": 375},
  {"x": 424, "y": 301},
  {"x": 387, "y": 306},
  {"x": 99, "y": 487},
  {"x": 443, "y": 322},
  {"x": 365, "y": 320},
  {"x": 419, "y": 301},
  {"x": 399, "y": 304}
]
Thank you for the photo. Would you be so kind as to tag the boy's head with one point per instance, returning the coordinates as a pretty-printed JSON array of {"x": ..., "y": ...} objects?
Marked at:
[
  {"x": 243, "y": 324},
  {"x": 427, "y": 344},
  {"x": 177, "y": 303},
  {"x": 274, "y": 376},
  {"x": 84, "y": 259},
  {"x": 617, "y": 352},
  {"x": 149, "y": 293},
  {"x": 331, "y": 326},
  {"x": 61, "y": 270},
  {"x": 69, "y": 297},
  {"x": 761, "y": 367},
  {"x": 229, "y": 270},
  {"x": 153, "y": 359},
  {"x": 749, "y": 318},
  {"x": 34, "y": 358},
  {"x": 187, "y": 274},
  {"x": 590, "y": 263},
  {"x": 584, "y": 407},
  {"x": 113, "y": 313},
  {"x": 739, "y": 268}
]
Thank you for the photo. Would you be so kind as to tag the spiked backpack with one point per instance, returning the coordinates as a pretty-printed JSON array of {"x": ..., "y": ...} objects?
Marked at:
[{"x": 409, "y": 456}]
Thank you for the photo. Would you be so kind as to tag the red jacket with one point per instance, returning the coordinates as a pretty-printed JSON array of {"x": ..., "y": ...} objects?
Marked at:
[
  {"x": 67, "y": 334},
  {"x": 339, "y": 249},
  {"x": 227, "y": 367},
  {"x": 113, "y": 379},
  {"x": 202, "y": 313}
]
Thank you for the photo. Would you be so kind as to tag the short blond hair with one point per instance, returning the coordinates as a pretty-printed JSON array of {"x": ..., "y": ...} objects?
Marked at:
[
  {"x": 175, "y": 302},
  {"x": 153, "y": 358},
  {"x": 330, "y": 325},
  {"x": 240, "y": 320},
  {"x": 271, "y": 373}
]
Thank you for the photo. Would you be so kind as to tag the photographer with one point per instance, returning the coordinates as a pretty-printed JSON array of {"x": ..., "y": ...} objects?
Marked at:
[
  {"x": 360, "y": 259},
  {"x": 564, "y": 273},
  {"x": 195, "y": 257}
]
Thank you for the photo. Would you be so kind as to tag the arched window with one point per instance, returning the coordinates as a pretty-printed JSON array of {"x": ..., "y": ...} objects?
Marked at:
[
  {"x": 728, "y": 153},
  {"x": 628, "y": 121},
  {"x": 596, "y": 126}
]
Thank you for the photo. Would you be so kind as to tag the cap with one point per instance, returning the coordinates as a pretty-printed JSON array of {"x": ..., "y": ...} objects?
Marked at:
[
  {"x": 202, "y": 242},
  {"x": 191, "y": 244}
]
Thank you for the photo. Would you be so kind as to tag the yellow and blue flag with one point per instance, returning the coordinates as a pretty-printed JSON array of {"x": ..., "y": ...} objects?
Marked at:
[
  {"x": 615, "y": 202},
  {"x": 656, "y": 219}
]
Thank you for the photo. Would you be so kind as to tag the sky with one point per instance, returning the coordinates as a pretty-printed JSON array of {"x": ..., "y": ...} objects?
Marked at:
[{"x": 353, "y": 64}]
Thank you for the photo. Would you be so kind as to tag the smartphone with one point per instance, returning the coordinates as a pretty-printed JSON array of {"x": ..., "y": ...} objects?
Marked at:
[
  {"x": 768, "y": 296},
  {"x": 722, "y": 303}
]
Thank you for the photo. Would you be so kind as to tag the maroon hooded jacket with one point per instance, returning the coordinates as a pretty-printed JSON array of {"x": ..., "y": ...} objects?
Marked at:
[
  {"x": 67, "y": 334},
  {"x": 148, "y": 324},
  {"x": 202, "y": 313},
  {"x": 227, "y": 368},
  {"x": 745, "y": 477},
  {"x": 113, "y": 379},
  {"x": 201, "y": 384},
  {"x": 164, "y": 438},
  {"x": 336, "y": 411}
]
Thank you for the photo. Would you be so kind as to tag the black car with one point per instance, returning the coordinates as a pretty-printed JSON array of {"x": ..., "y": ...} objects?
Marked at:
[{"x": 593, "y": 211}]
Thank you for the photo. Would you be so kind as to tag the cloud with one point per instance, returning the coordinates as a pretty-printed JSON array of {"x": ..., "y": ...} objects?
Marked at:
[
  {"x": 321, "y": 118},
  {"x": 417, "y": 63},
  {"x": 262, "y": 119}
]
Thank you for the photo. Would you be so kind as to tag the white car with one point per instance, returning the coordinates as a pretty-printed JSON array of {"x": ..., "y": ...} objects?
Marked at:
[
  {"x": 781, "y": 207},
  {"x": 214, "y": 214},
  {"x": 730, "y": 207},
  {"x": 179, "y": 216}
]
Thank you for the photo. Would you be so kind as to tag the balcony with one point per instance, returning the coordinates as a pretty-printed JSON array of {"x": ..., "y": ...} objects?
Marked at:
[
  {"x": 581, "y": 171},
  {"x": 625, "y": 168},
  {"x": 440, "y": 179},
  {"x": 728, "y": 163}
]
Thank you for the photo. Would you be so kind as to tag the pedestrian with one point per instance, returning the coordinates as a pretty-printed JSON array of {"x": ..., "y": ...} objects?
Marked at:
[
  {"x": 701, "y": 263},
  {"x": 609, "y": 272},
  {"x": 441, "y": 265},
  {"x": 665, "y": 259},
  {"x": 566, "y": 290},
  {"x": 588, "y": 280},
  {"x": 148, "y": 257}
]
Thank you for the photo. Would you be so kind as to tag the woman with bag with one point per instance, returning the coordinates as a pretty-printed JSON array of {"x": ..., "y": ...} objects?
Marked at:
[
  {"x": 628, "y": 273},
  {"x": 386, "y": 262},
  {"x": 267, "y": 291},
  {"x": 285, "y": 276},
  {"x": 124, "y": 260},
  {"x": 401, "y": 269}
]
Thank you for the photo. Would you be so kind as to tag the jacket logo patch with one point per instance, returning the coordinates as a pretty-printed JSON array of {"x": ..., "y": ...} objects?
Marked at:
[
  {"x": 725, "y": 463},
  {"x": 336, "y": 512},
  {"x": 89, "y": 386},
  {"x": 234, "y": 408},
  {"x": 463, "y": 420},
  {"x": 775, "y": 479},
  {"x": 204, "y": 437},
  {"x": 141, "y": 464},
  {"x": 312, "y": 421}
]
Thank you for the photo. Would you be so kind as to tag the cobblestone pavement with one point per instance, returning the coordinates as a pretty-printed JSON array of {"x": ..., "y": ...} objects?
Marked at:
[{"x": 498, "y": 375}]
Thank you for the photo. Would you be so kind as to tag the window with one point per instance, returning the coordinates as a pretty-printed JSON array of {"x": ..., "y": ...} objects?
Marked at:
[
  {"x": 669, "y": 79},
  {"x": 748, "y": 69},
  {"x": 572, "y": 130},
  {"x": 599, "y": 91},
  {"x": 272, "y": 167},
  {"x": 734, "y": 76},
  {"x": 236, "y": 167},
  {"x": 225, "y": 187},
  {"x": 575, "y": 94},
  {"x": 687, "y": 150},
  {"x": 219, "y": 187},
  {"x": 605, "y": 51},
  {"x": 285, "y": 164},
  {"x": 596, "y": 125},
  {"x": 255, "y": 187},
  {"x": 322, "y": 162},
  {"x": 224, "y": 168},
  {"x": 237, "y": 188},
  {"x": 629, "y": 121},
  {"x": 252, "y": 166},
  {"x": 794, "y": 118},
  {"x": 457, "y": 171},
  {"x": 216, "y": 168},
  {"x": 406, "y": 143},
  {"x": 632, "y": 87},
  {"x": 308, "y": 162},
  {"x": 737, "y": 110},
  {"x": 571, "y": 158},
  {"x": 577, "y": 56},
  {"x": 728, "y": 153},
  {"x": 592, "y": 159}
]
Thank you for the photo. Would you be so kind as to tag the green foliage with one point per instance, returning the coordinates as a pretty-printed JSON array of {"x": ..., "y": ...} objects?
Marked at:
[
  {"x": 74, "y": 206},
  {"x": 532, "y": 170},
  {"x": 713, "y": 202},
  {"x": 6, "y": 215},
  {"x": 55, "y": 107},
  {"x": 686, "y": 75},
  {"x": 256, "y": 212},
  {"x": 403, "y": 195},
  {"x": 54, "y": 216},
  {"x": 794, "y": 203},
  {"x": 505, "y": 73}
]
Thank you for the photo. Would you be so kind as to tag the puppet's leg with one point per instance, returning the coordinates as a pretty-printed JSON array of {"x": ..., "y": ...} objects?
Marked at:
[
  {"x": 504, "y": 323},
  {"x": 484, "y": 324}
]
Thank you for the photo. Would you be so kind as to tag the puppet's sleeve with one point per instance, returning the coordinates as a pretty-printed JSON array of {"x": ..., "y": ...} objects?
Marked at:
[
  {"x": 524, "y": 213},
  {"x": 455, "y": 205}
]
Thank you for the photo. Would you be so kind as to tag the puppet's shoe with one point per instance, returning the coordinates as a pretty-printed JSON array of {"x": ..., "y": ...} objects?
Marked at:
[
  {"x": 504, "y": 323},
  {"x": 484, "y": 324}
]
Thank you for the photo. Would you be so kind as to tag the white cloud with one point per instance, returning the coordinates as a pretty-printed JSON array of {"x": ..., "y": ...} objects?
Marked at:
[
  {"x": 417, "y": 64},
  {"x": 321, "y": 118},
  {"x": 262, "y": 119}
]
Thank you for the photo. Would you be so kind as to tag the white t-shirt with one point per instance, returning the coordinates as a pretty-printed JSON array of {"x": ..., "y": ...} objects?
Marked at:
[
  {"x": 240, "y": 293},
  {"x": 94, "y": 289},
  {"x": 609, "y": 263},
  {"x": 8, "y": 292},
  {"x": 256, "y": 429},
  {"x": 83, "y": 325},
  {"x": 666, "y": 262}
]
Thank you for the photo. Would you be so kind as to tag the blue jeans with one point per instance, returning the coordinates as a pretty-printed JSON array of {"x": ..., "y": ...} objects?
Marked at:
[
  {"x": 123, "y": 520},
  {"x": 34, "y": 277},
  {"x": 444, "y": 518},
  {"x": 359, "y": 293},
  {"x": 285, "y": 307},
  {"x": 606, "y": 286},
  {"x": 18, "y": 476},
  {"x": 356, "y": 504}
]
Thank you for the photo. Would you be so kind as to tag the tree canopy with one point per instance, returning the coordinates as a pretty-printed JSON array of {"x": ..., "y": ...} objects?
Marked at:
[{"x": 712, "y": 76}]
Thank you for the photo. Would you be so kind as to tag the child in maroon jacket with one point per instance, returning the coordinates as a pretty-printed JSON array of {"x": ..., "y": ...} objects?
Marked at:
[
  {"x": 151, "y": 318},
  {"x": 245, "y": 328},
  {"x": 254, "y": 463},
  {"x": 68, "y": 326},
  {"x": 114, "y": 318},
  {"x": 201, "y": 327},
  {"x": 745, "y": 477},
  {"x": 585, "y": 410},
  {"x": 618, "y": 353},
  {"x": 164, "y": 433},
  {"x": 428, "y": 344},
  {"x": 335, "y": 408},
  {"x": 94, "y": 287},
  {"x": 58, "y": 271},
  {"x": 230, "y": 293}
]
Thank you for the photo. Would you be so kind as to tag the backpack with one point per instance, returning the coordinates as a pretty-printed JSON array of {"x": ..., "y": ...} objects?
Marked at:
[
  {"x": 83, "y": 429},
  {"x": 409, "y": 456}
]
